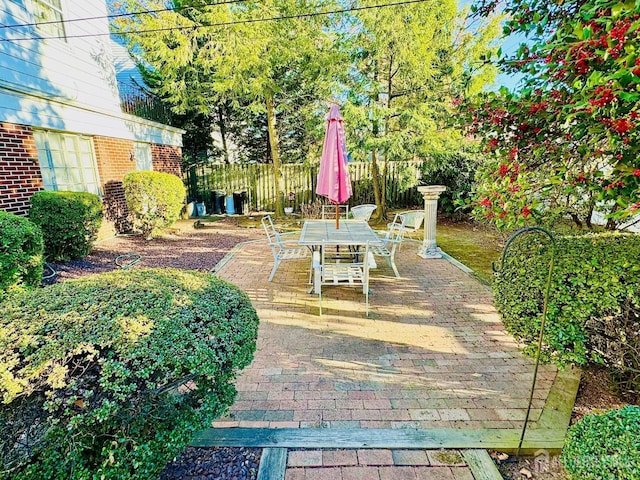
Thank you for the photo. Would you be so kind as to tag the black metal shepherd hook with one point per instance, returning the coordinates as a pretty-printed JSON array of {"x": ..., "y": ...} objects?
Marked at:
[{"x": 544, "y": 310}]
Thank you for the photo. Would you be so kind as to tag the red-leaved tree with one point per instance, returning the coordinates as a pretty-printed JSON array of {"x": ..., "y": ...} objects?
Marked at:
[{"x": 565, "y": 144}]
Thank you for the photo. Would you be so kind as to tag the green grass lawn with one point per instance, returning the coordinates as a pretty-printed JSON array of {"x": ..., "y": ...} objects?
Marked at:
[{"x": 474, "y": 245}]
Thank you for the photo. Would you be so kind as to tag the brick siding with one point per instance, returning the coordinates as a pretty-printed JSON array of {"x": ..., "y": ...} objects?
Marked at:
[
  {"x": 167, "y": 158},
  {"x": 115, "y": 159},
  {"x": 19, "y": 168}
]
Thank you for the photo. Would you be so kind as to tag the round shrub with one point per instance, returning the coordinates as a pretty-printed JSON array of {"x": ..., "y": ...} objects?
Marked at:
[
  {"x": 110, "y": 376},
  {"x": 154, "y": 199},
  {"x": 69, "y": 221},
  {"x": 604, "y": 447},
  {"x": 21, "y": 249}
]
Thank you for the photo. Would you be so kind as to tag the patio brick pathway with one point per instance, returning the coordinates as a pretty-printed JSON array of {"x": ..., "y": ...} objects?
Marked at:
[
  {"x": 432, "y": 354},
  {"x": 376, "y": 464}
]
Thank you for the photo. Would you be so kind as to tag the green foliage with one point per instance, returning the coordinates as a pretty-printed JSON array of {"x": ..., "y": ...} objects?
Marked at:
[
  {"x": 251, "y": 76},
  {"x": 596, "y": 276},
  {"x": 604, "y": 447},
  {"x": 69, "y": 222},
  {"x": 21, "y": 249},
  {"x": 566, "y": 143},
  {"x": 109, "y": 376},
  {"x": 456, "y": 171},
  {"x": 154, "y": 199}
]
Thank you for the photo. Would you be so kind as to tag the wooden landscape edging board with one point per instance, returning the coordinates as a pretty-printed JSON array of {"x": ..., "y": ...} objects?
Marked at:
[
  {"x": 495, "y": 439},
  {"x": 481, "y": 465},
  {"x": 273, "y": 464}
]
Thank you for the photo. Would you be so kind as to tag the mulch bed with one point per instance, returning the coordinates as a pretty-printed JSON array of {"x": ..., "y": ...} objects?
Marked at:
[
  {"x": 223, "y": 463},
  {"x": 183, "y": 247}
]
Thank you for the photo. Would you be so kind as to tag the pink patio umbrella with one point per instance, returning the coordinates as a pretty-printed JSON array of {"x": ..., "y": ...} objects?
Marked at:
[{"x": 333, "y": 177}]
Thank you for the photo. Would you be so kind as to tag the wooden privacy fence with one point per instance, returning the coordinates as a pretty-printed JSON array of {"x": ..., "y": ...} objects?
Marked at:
[{"x": 206, "y": 182}]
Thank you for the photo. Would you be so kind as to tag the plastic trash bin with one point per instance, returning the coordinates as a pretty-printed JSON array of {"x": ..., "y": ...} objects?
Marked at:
[
  {"x": 217, "y": 198},
  {"x": 229, "y": 208},
  {"x": 200, "y": 210},
  {"x": 239, "y": 201}
]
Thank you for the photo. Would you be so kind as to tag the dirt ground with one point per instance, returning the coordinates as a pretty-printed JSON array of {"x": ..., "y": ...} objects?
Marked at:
[{"x": 181, "y": 247}]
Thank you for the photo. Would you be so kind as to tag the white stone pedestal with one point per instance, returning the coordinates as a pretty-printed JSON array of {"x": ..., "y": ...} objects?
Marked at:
[{"x": 431, "y": 193}]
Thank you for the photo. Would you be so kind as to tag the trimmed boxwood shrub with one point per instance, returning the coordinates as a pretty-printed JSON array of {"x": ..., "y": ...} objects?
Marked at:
[
  {"x": 69, "y": 221},
  {"x": 596, "y": 279},
  {"x": 154, "y": 199},
  {"x": 604, "y": 447},
  {"x": 21, "y": 249},
  {"x": 110, "y": 376}
]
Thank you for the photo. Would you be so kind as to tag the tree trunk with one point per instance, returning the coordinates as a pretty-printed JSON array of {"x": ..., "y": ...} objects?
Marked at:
[
  {"x": 383, "y": 186},
  {"x": 223, "y": 135},
  {"x": 611, "y": 223},
  {"x": 387, "y": 129},
  {"x": 274, "y": 148}
]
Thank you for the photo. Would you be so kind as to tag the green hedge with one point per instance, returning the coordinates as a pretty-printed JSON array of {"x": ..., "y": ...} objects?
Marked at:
[
  {"x": 69, "y": 221},
  {"x": 596, "y": 278},
  {"x": 21, "y": 249},
  {"x": 110, "y": 376},
  {"x": 604, "y": 447},
  {"x": 154, "y": 199}
]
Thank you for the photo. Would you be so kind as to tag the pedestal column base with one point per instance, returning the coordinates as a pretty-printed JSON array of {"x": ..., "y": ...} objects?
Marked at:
[
  {"x": 430, "y": 193},
  {"x": 429, "y": 251}
]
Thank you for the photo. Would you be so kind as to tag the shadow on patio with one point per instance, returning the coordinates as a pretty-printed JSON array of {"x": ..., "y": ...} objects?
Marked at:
[{"x": 432, "y": 355}]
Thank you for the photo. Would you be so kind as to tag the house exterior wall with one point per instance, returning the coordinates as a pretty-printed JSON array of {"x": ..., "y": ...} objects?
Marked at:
[
  {"x": 69, "y": 86},
  {"x": 20, "y": 175},
  {"x": 19, "y": 169},
  {"x": 167, "y": 158}
]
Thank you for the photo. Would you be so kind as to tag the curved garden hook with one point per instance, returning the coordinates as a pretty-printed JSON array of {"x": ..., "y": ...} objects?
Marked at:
[
  {"x": 513, "y": 237},
  {"x": 544, "y": 309}
]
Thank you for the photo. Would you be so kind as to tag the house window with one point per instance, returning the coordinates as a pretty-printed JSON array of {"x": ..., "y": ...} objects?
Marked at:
[
  {"x": 48, "y": 16},
  {"x": 143, "y": 156},
  {"x": 67, "y": 162}
]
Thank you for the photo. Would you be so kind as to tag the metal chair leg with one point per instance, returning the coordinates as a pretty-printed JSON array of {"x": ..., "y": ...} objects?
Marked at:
[{"x": 273, "y": 270}]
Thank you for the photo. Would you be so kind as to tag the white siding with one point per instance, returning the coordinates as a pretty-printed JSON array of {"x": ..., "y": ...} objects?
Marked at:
[{"x": 67, "y": 84}]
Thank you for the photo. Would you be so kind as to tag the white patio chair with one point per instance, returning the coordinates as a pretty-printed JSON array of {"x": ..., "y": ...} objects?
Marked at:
[
  {"x": 329, "y": 271},
  {"x": 329, "y": 211},
  {"x": 363, "y": 212},
  {"x": 412, "y": 221},
  {"x": 279, "y": 246},
  {"x": 392, "y": 239}
]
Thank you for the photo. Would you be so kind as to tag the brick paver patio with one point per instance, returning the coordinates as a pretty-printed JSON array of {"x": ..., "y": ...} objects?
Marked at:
[
  {"x": 432, "y": 354},
  {"x": 380, "y": 464}
]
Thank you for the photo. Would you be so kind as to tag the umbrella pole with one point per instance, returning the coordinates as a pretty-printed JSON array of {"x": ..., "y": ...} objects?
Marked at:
[{"x": 337, "y": 217}]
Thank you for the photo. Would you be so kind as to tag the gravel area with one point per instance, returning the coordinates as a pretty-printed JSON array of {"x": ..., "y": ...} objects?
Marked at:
[
  {"x": 182, "y": 247},
  {"x": 223, "y": 463}
]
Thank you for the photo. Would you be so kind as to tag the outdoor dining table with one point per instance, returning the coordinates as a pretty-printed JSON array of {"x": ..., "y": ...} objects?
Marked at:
[{"x": 352, "y": 234}]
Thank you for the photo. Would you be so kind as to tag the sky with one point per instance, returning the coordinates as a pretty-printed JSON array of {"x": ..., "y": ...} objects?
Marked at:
[{"x": 510, "y": 45}]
